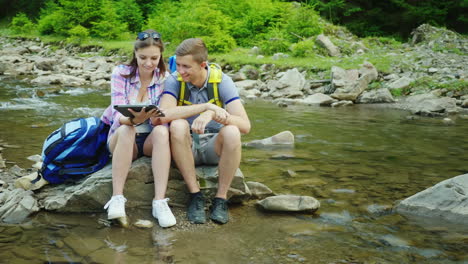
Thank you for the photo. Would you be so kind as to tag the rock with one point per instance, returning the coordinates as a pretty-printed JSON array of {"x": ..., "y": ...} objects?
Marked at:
[
  {"x": 91, "y": 193},
  {"x": 17, "y": 205},
  {"x": 290, "y": 203},
  {"x": 45, "y": 64},
  {"x": 59, "y": 79},
  {"x": 342, "y": 103},
  {"x": 3, "y": 185},
  {"x": 34, "y": 49},
  {"x": 259, "y": 190},
  {"x": 325, "y": 42},
  {"x": 143, "y": 223},
  {"x": 443, "y": 201},
  {"x": 285, "y": 138},
  {"x": 401, "y": 83},
  {"x": 448, "y": 121},
  {"x": 381, "y": 95},
  {"x": 464, "y": 104},
  {"x": 318, "y": 99},
  {"x": 293, "y": 82},
  {"x": 246, "y": 84}
]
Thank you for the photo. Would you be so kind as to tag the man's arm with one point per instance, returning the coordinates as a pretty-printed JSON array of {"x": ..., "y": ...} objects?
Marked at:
[{"x": 237, "y": 116}]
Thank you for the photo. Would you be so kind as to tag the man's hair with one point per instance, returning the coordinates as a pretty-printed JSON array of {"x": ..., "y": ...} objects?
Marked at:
[{"x": 195, "y": 47}]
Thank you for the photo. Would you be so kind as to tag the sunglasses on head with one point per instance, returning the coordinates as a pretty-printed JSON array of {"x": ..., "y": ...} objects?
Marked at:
[{"x": 144, "y": 35}]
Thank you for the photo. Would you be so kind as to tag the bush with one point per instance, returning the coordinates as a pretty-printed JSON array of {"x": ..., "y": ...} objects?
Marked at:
[
  {"x": 275, "y": 41},
  {"x": 78, "y": 34},
  {"x": 53, "y": 23},
  {"x": 21, "y": 24},
  {"x": 304, "y": 48}
]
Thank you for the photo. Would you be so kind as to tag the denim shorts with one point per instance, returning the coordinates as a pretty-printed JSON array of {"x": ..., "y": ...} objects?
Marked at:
[
  {"x": 203, "y": 149},
  {"x": 140, "y": 141}
]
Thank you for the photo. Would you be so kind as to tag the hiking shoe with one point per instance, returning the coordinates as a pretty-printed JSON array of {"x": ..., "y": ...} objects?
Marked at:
[
  {"x": 163, "y": 213},
  {"x": 196, "y": 209},
  {"x": 219, "y": 211},
  {"x": 116, "y": 207}
]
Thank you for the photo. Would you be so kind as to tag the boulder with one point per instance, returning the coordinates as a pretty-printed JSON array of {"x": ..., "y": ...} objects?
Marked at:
[
  {"x": 445, "y": 201},
  {"x": 325, "y": 42},
  {"x": 290, "y": 203},
  {"x": 17, "y": 205},
  {"x": 91, "y": 193},
  {"x": 318, "y": 99},
  {"x": 285, "y": 138},
  {"x": 382, "y": 95}
]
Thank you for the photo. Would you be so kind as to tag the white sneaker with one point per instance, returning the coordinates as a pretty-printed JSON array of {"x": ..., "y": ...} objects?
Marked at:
[
  {"x": 116, "y": 207},
  {"x": 162, "y": 212}
]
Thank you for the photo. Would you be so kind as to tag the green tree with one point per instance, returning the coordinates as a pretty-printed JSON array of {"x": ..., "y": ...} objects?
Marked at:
[
  {"x": 129, "y": 12},
  {"x": 107, "y": 24}
]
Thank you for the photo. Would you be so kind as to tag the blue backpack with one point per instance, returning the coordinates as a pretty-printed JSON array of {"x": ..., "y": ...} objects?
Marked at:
[{"x": 76, "y": 149}]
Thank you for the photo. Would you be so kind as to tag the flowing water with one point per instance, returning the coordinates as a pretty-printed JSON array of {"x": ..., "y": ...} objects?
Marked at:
[{"x": 358, "y": 161}]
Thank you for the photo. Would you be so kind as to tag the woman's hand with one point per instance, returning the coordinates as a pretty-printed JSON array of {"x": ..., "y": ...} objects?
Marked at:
[{"x": 142, "y": 116}]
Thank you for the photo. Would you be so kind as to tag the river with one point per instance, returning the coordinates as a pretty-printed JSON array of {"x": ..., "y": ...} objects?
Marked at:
[{"x": 358, "y": 161}]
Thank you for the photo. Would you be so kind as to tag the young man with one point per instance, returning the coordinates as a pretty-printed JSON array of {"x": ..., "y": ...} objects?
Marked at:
[{"x": 202, "y": 132}]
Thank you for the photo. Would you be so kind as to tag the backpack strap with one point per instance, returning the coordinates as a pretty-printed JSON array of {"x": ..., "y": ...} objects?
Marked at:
[
  {"x": 184, "y": 92},
  {"x": 212, "y": 87},
  {"x": 216, "y": 75}
]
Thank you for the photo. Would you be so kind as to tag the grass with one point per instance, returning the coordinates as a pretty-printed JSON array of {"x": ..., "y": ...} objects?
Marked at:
[{"x": 240, "y": 56}]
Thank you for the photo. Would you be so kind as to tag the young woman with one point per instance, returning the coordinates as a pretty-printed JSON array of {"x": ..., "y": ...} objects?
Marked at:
[{"x": 139, "y": 82}]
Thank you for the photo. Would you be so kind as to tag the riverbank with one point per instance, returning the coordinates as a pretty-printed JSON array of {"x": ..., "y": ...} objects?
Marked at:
[{"x": 426, "y": 76}]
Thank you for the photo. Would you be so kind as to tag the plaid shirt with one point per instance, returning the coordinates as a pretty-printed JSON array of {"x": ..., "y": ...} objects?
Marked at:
[{"x": 125, "y": 91}]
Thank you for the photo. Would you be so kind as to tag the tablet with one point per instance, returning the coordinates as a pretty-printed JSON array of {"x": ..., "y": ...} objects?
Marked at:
[{"x": 137, "y": 108}]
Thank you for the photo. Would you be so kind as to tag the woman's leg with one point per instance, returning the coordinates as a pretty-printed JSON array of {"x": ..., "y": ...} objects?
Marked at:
[
  {"x": 119, "y": 144},
  {"x": 157, "y": 146}
]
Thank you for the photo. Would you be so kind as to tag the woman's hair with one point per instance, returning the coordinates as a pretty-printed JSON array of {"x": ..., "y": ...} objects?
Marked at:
[
  {"x": 140, "y": 44},
  {"x": 195, "y": 47}
]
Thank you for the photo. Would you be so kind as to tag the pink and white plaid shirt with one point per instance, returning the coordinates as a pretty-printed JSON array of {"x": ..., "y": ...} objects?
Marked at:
[{"x": 125, "y": 91}]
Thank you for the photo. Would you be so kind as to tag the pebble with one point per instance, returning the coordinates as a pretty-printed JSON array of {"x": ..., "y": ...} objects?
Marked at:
[{"x": 143, "y": 223}]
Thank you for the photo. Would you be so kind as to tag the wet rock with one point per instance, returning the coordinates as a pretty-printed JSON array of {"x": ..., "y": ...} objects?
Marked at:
[
  {"x": 342, "y": 103},
  {"x": 445, "y": 200},
  {"x": 285, "y": 138},
  {"x": 143, "y": 223},
  {"x": 290, "y": 203},
  {"x": 447, "y": 121},
  {"x": 382, "y": 95},
  {"x": 91, "y": 193},
  {"x": 318, "y": 99},
  {"x": 17, "y": 205},
  {"x": 259, "y": 190},
  {"x": 83, "y": 245}
]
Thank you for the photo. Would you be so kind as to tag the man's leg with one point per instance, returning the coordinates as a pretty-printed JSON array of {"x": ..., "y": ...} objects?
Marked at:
[
  {"x": 228, "y": 146},
  {"x": 181, "y": 148}
]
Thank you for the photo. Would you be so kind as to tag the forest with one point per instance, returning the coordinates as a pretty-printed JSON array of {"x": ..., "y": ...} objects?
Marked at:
[{"x": 273, "y": 25}]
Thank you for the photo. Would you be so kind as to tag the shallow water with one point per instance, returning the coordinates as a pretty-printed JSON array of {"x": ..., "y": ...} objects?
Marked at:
[{"x": 358, "y": 161}]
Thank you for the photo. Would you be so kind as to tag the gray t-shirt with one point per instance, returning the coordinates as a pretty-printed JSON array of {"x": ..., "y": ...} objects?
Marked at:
[{"x": 227, "y": 93}]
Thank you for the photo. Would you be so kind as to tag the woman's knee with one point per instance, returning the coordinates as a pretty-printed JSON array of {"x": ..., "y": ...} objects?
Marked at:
[
  {"x": 126, "y": 133},
  {"x": 160, "y": 134}
]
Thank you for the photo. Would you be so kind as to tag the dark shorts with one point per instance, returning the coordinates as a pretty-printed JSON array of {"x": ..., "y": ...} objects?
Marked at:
[{"x": 140, "y": 141}]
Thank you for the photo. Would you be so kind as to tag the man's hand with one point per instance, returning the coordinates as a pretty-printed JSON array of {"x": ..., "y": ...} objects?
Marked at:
[
  {"x": 220, "y": 114},
  {"x": 199, "y": 124}
]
